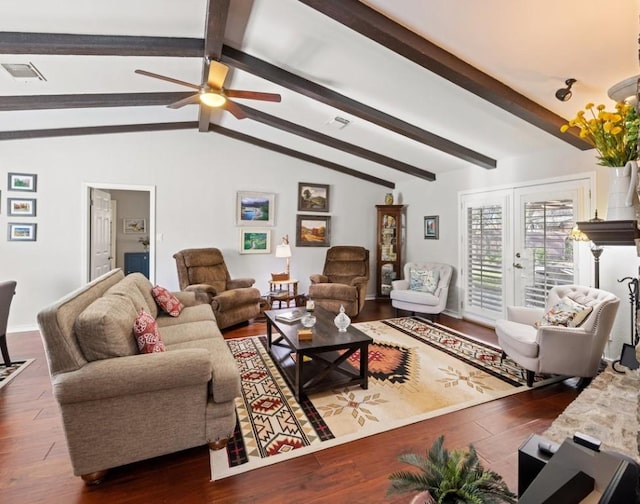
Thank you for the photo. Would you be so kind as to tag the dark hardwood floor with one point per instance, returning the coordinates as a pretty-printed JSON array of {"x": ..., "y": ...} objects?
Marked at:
[{"x": 34, "y": 464}]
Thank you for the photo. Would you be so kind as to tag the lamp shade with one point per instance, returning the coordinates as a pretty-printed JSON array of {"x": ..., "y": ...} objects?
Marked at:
[{"x": 283, "y": 250}]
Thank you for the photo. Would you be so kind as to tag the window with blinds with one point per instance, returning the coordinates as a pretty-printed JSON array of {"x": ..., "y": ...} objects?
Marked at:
[
  {"x": 547, "y": 227},
  {"x": 484, "y": 258}
]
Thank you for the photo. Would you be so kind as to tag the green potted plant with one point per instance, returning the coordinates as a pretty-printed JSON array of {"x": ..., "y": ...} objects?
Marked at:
[{"x": 445, "y": 477}]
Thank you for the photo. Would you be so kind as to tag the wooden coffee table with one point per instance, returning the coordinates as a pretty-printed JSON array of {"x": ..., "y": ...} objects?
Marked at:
[{"x": 320, "y": 363}]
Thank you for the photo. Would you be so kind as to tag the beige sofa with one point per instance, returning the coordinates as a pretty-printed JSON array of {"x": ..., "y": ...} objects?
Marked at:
[{"x": 119, "y": 406}]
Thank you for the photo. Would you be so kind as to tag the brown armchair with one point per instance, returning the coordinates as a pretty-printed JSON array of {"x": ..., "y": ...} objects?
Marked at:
[
  {"x": 204, "y": 270},
  {"x": 343, "y": 281}
]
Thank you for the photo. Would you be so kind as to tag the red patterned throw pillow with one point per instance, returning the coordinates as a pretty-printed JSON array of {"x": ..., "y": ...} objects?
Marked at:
[
  {"x": 146, "y": 332},
  {"x": 167, "y": 301}
]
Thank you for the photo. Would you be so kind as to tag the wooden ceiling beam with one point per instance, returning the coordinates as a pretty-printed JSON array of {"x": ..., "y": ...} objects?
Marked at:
[
  {"x": 310, "y": 89},
  {"x": 96, "y": 100},
  {"x": 395, "y": 37},
  {"x": 334, "y": 143}
]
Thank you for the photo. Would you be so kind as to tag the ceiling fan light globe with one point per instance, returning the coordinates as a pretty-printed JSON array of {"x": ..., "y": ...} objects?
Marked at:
[{"x": 212, "y": 99}]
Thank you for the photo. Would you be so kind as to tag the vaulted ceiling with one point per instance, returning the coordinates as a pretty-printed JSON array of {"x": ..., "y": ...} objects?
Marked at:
[{"x": 427, "y": 87}]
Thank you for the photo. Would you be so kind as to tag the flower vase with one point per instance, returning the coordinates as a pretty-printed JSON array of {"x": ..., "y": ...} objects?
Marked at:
[{"x": 623, "y": 198}]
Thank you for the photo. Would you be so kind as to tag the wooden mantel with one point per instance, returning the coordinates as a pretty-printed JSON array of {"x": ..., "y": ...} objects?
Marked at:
[{"x": 602, "y": 233}]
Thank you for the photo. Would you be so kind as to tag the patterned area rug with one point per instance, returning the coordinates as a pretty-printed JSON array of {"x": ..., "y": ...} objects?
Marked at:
[
  {"x": 9, "y": 373},
  {"x": 417, "y": 370}
]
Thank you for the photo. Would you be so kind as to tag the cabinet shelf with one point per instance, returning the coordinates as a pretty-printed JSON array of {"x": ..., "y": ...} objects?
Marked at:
[{"x": 390, "y": 247}]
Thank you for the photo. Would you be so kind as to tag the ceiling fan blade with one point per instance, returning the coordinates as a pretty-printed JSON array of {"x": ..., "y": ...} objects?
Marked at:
[
  {"x": 185, "y": 101},
  {"x": 235, "y": 109},
  {"x": 204, "y": 119},
  {"x": 253, "y": 95},
  {"x": 168, "y": 79},
  {"x": 217, "y": 74}
]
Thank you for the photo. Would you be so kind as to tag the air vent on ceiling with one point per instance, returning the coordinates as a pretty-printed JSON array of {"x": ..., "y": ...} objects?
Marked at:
[
  {"x": 22, "y": 71},
  {"x": 338, "y": 122}
]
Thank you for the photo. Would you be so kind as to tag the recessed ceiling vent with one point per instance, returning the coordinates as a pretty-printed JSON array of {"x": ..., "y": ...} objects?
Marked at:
[
  {"x": 21, "y": 71},
  {"x": 338, "y": 122}
]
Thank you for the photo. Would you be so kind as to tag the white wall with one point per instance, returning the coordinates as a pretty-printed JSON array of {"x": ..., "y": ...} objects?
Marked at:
[
  {"x": 196, "y": 177},
  {"x": 441, "y": 198}
]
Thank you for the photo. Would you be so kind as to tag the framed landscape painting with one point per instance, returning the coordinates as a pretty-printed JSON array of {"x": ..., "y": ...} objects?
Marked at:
[
  {"x": 313, "y": 197},
  {"x": 255, "y": 208},
  {"x": 313, "y": 231},
  {"x": 22, "y": 182},
  {"x": 22, "y": 231},
  {"x": 21, "y": 207},
  {"x": 255, "y": 241}
]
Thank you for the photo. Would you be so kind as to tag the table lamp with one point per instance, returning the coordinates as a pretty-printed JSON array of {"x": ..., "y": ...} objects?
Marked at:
[{"x": 283, "y": 250}]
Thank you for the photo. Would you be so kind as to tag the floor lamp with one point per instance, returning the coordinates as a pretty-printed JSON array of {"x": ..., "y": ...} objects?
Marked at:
[{"x": 577, "y": 235}]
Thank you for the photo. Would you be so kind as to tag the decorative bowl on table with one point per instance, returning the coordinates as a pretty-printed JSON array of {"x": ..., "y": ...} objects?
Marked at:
[{"x": 308, "y": 320}]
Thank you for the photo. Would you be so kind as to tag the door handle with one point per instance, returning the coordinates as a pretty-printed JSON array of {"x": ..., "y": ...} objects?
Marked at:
[{"x": 518, "y": 266}]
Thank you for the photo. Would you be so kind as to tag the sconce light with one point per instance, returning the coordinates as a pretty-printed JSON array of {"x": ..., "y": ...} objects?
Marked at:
[
  {"x": 564, "y": 94},
  {"x": 283, "y": 250}
]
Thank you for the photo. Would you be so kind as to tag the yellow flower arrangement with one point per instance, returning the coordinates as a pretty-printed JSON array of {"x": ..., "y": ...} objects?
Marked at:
[{"x": 613, "y": 134}]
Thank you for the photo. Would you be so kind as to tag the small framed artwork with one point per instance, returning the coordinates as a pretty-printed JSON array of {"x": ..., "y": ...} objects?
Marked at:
[
  {"x": 313, "y": 231},
  {"x": 255, "y": 208},
  {"x": 134, "y": 225},
  {"x": 21, "y": 207},
  {"x": 22, "y": 182},
  {"x": 431, "y": 227},
  {"x": 313, "y": 197},
  {"x": 255, "y": 241},
  {"x": 22, "y": 231}
]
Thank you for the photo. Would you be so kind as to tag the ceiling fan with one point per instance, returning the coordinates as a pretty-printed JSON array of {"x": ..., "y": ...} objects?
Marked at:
[{"x": 213, "y": 94}]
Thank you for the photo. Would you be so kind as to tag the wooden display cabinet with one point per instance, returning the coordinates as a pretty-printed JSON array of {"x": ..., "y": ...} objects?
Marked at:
[{"x": 390, "y": 247}]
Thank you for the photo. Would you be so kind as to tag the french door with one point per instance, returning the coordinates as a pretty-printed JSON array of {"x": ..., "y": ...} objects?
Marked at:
[{"x": 515, "y": 245}]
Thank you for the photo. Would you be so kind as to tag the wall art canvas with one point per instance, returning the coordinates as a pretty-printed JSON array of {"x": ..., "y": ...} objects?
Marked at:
[
  {"x": 22, "y": 182},
  {"x": 313, "y": 231},
  {"x": 313, "y": 197},
  {"x": 255, "y": 208},
  {"x": 22, "y": 231}
]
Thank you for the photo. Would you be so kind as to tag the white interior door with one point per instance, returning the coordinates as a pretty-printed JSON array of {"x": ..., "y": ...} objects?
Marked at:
[{"x": 100, "y": 228}]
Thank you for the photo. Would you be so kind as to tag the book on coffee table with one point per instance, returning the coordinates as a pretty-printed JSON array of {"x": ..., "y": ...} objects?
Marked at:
[{"x": 290, "y": 317}]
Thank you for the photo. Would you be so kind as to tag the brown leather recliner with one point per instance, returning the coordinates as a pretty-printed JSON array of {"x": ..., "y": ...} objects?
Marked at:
[
  {"x": 343, "y": 281},
  {"x": 203, "y": 270}
]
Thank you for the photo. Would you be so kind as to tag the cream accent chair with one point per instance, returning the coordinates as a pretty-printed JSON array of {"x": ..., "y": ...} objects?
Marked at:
[
  {"x": 414, "y": 301},
  {"x": 566, "y": 351}
]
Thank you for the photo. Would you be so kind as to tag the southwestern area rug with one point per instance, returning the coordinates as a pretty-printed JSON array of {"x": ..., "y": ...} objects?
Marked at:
[
  {"x": 8, "y": 373},
  {"x": 417, "y": 370}
]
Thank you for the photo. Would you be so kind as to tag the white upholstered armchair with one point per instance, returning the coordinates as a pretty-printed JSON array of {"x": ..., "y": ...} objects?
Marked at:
[
  {"x": 424, "y": 289},
  {"x": 554, "y": 347}
]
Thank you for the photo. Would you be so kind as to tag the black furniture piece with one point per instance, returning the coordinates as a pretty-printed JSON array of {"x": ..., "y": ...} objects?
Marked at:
[
  {"x": 7, "y": 291},
  {"x": 573, "y": 473}
]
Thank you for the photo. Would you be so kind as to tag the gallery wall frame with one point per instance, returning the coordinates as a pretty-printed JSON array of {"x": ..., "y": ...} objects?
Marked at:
[
  {"x": 255, "y": 240},
  {"x": 134, "y": 225},
  {"x": 313, "y": 197},
  {"x": 21, "y": 231},
  {"x": 255, "y": 208},
  {"x": 431, "y": 227},
  {"x": 22, "y": 182},
  {"x": 313, "y": 230},
  {"x": 24, "y": 207}
]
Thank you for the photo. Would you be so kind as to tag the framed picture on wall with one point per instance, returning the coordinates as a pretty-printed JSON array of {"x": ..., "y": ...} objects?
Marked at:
[
  {"x": 431, "y": 227},
  {"x": 21, "y": 207},
  {"x": 255, "y": 241},
  {"x": 255, "y": 208},
  {"x": 20, "y": 231},
  {"x": 22, "y": 182},
  {"x": 135, "y": 225},
  {"x": 313, "y": 197},
  {"x": 313, "y": 231}
]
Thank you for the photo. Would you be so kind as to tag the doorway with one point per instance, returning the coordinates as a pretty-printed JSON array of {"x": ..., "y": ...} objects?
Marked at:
[
  {"x": 515, "y": 245},
  {"x": 106, "y": 236}
]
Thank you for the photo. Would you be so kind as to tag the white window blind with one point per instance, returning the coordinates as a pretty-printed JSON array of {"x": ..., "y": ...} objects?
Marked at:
[
  {"x": 547, "y": 227},
  {"x": 484, "y": 258}
]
